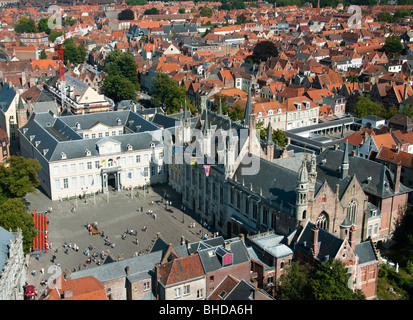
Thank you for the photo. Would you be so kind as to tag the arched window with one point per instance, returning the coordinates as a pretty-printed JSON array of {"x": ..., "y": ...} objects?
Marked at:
[
  {"x": 351, "y": 211},
  {"x": 322, "y": 221}
]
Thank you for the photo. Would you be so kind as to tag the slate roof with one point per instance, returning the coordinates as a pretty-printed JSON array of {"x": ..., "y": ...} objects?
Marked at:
[
  {"x": 7, "y": 95},
  {"x": 365, "y": 252},
  {"x": 381, "y": 183},
  {"x": 329, "y": 244},
  {"x": 60, "y": 134},
  {"x": 277, "y": 183},
  {"x": 5, "y": 237},
  {"x": 115, "y": 270},
  {"x": 211, "y": 262}
]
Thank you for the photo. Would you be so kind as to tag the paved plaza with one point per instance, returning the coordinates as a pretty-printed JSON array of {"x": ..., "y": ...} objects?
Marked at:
[{"x": 114, "y": 215}]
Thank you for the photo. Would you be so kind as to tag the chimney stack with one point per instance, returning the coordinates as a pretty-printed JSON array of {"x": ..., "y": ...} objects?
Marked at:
[
  {"x": 127, "y": 270},
  {"x": 397, "y": 178},
  {"x": 315, "y": 247}
]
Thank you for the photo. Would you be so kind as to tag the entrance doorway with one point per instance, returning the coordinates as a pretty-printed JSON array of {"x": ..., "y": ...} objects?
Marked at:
[{"x": 112, "y": 181}]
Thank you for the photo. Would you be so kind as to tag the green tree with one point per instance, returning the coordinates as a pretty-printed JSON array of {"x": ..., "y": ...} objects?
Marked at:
[
  {"x": 68, "y": 21},
  {"x": 13, "y": 215},
  {"x": 407, "y": 110},
  {"x": 278, "y": 136},
  {"x": 365, "y": 107},
  {"x": 295, "y": 284},
  {"x": 136, "y": 2},
  {"x": 18, "y": 177},
  {"x": 241, "y": 19},
  {"x": 181, "y": 10},
  {"x": 25, "y": 25},
  {"x": 393, "y": 46},
  {"x": 330, "y": 282},
  {"x": 236, "y": 113},
  {"x": 151, "y": 11},
  {"x": 168, "y": 94},
  {"x": 73, "y": 53},
  {"x": 123, "y": 64},
  {"x": 42, "y": 26},
  {"x": 205, "y": 12},
  {"x": 264, "y": 50},
  {"x": 43, "y": 55},
  {"x": 385, "y": 16},
  {"x": 126, "y": 14},
  {"x": 118, "y": 88},
  {"x": 54, "y": 34}
]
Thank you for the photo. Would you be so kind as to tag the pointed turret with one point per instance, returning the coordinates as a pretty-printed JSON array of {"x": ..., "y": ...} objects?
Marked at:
[
  {"x": 345, "y": 163},
  {"x": 248, "y": 108},
  {"x": 220, "y": 107},
  {"x": 269, "y": 134},
  {"x": 302, "y": 191}
]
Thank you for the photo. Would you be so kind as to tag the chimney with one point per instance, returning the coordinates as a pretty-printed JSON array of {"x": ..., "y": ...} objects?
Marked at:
[
  {"x": 227, "y": 245},
  {"x": 242, "y": 237},
  {"x": 157, "y": 277},
  {"x": 182, "y": 240},
  {"x": 397, "y": 178},
  {"x": 337, "y": 189},
  {"x": 314, "y": 231},
  {"x": 188, "y": 244},
  {"x": 352, "y": 237},
  {"x": 405, "y": 91},
  {"x": 127, "y": 270},
  {"x": 67, "y": 294}
]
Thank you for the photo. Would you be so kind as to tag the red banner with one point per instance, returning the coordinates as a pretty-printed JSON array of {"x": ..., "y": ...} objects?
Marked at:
[{"x": 207, "y": 169}]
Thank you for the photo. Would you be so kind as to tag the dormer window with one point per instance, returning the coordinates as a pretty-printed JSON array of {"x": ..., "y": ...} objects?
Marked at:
[
  {"x": 63, "y": 155},
  {"x": 88, "y": 153},
  {"x": 129, "y": 147},
  {"x": 279, "y": 110},
  {"x": 270, "y": 112}
]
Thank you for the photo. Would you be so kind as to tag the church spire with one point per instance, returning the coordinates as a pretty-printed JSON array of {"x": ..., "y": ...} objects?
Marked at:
[
  {"x": 269, "y": 134},
  {"x": 345, "y": 163},
  {"x": 248, "y": 108}
]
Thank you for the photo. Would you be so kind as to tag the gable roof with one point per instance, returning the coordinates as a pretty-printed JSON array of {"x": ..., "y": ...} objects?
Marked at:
[{"x": 181, "y": 269}]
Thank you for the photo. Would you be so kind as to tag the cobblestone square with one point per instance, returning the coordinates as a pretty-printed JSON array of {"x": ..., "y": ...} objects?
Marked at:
[{"x": 114, "y": 215}]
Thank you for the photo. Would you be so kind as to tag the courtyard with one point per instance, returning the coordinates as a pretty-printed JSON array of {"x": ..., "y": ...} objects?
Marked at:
[{"x": 114, "y": 214}]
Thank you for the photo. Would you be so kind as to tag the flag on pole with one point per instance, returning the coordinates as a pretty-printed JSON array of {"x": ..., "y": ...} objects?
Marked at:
[{"x": 207, "y": 169}]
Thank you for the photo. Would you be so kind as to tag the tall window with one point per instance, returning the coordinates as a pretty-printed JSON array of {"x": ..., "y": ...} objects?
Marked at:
[
  {"x": 322, "y": 221},
  {"x": 351, "y": 211},
  {"x": 264, "y": 216}
]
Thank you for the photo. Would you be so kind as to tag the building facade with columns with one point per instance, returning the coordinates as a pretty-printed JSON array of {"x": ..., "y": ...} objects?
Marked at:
[{"x": 85, "y": 154}]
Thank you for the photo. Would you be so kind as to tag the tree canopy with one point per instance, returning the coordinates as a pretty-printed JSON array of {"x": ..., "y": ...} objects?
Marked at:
[
  {"x": 25, "y": 25},
  {"x": 72, "y": 52},
  {"x": 151, "y": 11},
  {"x": 121, "y": 81},
  {"x": 168, "y": 94},
  {"x": 263, "y": 50},
  {"x": 278, "y": 136},
  {"x": 13, "y": 215},
  {"x": 393, "y": 45},
  {"x": 324, "y": 281},
  {"x": 136, "y": 2},
  {"x": 17, "y": 178},
  {"x": 126, "y": 14}
]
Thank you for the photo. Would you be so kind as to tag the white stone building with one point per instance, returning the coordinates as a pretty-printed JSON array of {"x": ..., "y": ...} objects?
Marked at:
[{"x": 91, "y": 153}]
